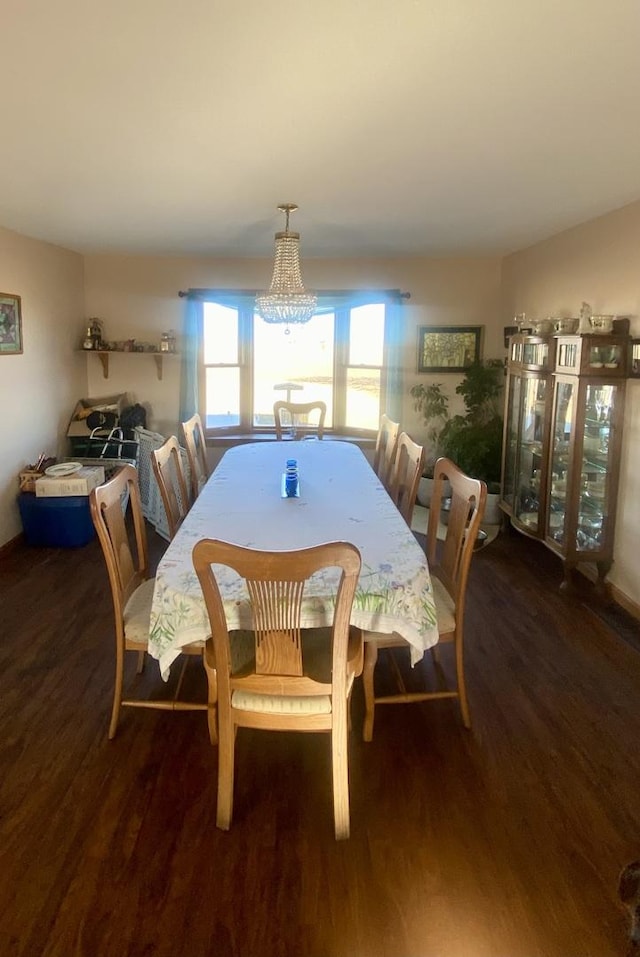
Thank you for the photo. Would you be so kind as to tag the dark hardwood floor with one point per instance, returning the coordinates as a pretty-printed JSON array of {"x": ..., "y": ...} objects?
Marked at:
[{"x": 506, "y": 841}]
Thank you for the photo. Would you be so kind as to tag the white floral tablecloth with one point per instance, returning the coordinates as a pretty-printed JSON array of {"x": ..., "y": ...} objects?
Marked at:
[{"x": 341, "y": 499}]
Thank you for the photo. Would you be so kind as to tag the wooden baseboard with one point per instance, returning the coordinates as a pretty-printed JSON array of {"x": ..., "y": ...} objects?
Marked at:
[
  {"x": 631, "y": 607},
  {"x": 11, "y": 545},
  {"x": 612, "y": 591}
]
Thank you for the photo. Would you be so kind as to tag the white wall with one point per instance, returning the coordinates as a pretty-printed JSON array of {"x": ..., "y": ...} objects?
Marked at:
[
  {"x": 598, "y": 262},
  {"x": 137, "y": 297},
  {"x": 39, "y": 388}
]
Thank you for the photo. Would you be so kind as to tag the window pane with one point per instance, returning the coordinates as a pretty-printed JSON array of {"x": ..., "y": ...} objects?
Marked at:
[
  {"x": 223, "y": 397},
  {"x": 296, "y": 366},
  {"x": 366, "y": 339},
  {"x": 220, "y": 334},
  {"x": 363, "y": 398}
]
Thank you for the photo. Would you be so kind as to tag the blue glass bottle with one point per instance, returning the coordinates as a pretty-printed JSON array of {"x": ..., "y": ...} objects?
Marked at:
[{"x": 291, "y": 479}]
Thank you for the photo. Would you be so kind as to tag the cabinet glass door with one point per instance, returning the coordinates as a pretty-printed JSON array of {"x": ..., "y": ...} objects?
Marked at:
[
  {"x": 535, "y": 354},
  {"x": 511, "y": 450},
  {"x": 563, "y": 425},
  {"x": 610, "y": 355},
  {"x": 595, "y": 466},
  {"x": 530, "y": 462}
]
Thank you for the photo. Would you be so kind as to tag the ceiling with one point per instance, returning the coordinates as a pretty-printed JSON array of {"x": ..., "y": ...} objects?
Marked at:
[{"x": 400, "y": 127}]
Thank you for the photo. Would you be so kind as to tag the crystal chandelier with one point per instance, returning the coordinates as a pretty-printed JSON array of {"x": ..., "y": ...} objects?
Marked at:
[{"x": 287, "y": 300}]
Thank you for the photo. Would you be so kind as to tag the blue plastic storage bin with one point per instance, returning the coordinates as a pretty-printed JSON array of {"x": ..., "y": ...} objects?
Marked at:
[{"x": 56, "y": 522}]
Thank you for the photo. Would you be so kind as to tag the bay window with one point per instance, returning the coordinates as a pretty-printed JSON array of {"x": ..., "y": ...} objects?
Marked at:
[{"x": 346, "y": 355}]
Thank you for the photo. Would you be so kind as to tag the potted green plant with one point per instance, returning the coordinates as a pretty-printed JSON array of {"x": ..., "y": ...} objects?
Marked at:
[
  {"x": 474, "y": 440},
  {"x": 433, "y": 405}
]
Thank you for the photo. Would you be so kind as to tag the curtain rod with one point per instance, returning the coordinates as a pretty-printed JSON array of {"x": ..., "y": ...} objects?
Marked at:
[{"x": 197, "y": 293}]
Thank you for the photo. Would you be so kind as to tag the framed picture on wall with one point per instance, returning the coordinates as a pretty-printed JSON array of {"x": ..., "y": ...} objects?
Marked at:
[
  {"x": 448, "y": 348},
  {"x": 10, "y": 324}
]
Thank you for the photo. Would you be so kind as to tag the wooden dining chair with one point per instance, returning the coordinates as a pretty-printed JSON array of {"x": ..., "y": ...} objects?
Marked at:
[
  {"x": 449, "y": 563},
  {"x": 405, "y": 477},
  {"x": 167, "y": 468},
  {"x": 194, "y": 443},
  {"x": 298, "y": 679},
  {"x": 386, "y": 444},
  {"x": 126, "y": 558},
  {"x": 297, "y": 417}
]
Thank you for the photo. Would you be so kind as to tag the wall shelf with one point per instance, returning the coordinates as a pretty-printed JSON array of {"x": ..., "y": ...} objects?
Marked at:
[{"x": 105, "y": 354}]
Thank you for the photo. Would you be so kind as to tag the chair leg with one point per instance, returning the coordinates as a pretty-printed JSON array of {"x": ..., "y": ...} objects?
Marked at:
[
  {"x": 340, "y": 767},
  {"x": 141, "y": 658},
  {"x": 212, "y": 722},
  {"x": 440, "y": 676},
  {"x": 226, "y": 757},
  {"x": 117, "y": 693},
  {"x": 212, "y": 710},
  {"x": 208, "y": 661},
  {"x": 462, "y": 688},
  {"x": 370, "y": 658},
  {"x": 178, "y": 691}
]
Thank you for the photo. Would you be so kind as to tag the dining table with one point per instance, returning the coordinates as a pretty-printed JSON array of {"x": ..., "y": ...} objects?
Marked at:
[{"x": 340, "y": 499}]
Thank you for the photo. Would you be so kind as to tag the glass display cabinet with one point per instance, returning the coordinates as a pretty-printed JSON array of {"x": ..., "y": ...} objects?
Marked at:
[
  {"x": 527, "y": 430},
  {"x": 593, "y": 355},
  {"x": 563, "y": 433}
]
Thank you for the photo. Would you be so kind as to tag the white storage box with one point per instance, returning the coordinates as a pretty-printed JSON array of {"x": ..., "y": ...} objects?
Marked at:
[{"x": 79, "y": 483}]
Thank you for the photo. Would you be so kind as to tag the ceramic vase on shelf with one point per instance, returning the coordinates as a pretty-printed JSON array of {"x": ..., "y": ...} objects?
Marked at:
[{"x": 584, "y": 326}]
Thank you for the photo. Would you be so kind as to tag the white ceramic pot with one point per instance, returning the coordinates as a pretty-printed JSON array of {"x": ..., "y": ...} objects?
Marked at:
[
  {"x": 492, "y": 512},
  {"x": 542, "y": 327},
  {"x": 601, "y": 324},
  {"x": 565, "y": 325},
  {"x": 425, "y": 491}
]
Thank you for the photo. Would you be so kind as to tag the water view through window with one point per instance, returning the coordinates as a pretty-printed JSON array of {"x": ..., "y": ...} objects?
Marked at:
[{"x": 296, "y": 366}]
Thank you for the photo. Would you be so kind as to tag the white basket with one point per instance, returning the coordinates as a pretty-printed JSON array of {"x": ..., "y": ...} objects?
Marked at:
[{"x": 152, "y": 507}]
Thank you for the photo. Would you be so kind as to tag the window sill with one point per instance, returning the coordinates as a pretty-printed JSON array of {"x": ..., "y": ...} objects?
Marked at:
[{"x": 230, "y": 439}]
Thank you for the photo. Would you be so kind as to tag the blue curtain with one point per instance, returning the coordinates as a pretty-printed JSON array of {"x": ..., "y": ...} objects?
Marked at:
[
  {"x": 393, "y": 358},
  {"x": 191, "y": 335}
]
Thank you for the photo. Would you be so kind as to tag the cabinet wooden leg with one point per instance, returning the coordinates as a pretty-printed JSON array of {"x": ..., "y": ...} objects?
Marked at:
[
  {"x": 567, "y": 583},
  {"x": 604, "y": 567}
]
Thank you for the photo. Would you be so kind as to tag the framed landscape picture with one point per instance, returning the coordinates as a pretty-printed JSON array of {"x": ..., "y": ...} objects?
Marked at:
[
  {"x": 10, "y": 324},
  {"x": 448, "y": 348}
]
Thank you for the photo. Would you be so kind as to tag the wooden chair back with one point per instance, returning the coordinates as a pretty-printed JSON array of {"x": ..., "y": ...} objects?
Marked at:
[
  {"x": 297, "y": 417},
  {"x": 405, "y": 477},
  {"x": 316, "y": 675},
  {"x": 167, "y": 468},
  {"x": 194, "y": 443},
  {"x": 450, "y": 560},
  {"x": 386, "y": 444},
  {"x": 127, "y": 567}
]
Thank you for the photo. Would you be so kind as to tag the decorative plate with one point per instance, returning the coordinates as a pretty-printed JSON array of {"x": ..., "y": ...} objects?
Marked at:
[{"x": 63, "y": 468}]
